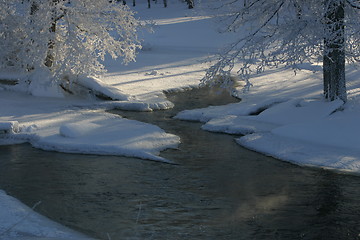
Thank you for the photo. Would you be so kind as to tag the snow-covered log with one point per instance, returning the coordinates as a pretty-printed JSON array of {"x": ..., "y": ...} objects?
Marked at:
[{"x": 85, "y": 86}]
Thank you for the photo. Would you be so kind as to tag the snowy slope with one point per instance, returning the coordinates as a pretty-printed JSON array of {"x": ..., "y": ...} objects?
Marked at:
[{"x": 173, "y": 56}]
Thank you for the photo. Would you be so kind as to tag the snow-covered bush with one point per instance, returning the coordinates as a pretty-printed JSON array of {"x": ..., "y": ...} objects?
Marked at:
[{"x": 70, "y": 37}]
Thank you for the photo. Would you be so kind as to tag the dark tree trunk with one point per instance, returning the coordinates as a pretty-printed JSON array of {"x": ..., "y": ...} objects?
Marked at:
[
  {"x": 190, "y": 3},
  {"x": 49, "y": 60},
  {"x": 149, "y": 4},
  {"x": 34, "y": 7},
  {"x": 334, "y": 52}
]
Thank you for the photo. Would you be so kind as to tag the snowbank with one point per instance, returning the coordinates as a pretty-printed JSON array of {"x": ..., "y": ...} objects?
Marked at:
[
  {"x": 20, "y": 222},
  {"x": 288, "y": 112},
  {"x": 237, "y": 109},
  {"x": 91, "y": 132},
  {"x": 102, "y": 89},
  {"x": 9, "y": 127},
  {"x": 331, "y": 142},
  {"x": 305, "y": 131},
  {"x": 97, "y": 132},
  {"x": 303, "y": 152}
]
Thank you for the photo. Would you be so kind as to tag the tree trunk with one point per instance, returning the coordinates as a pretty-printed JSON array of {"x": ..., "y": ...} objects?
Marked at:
[
  {"x": 334, "y": 51},
  {"x": 190, "y": 3},
  {"x": 50, "y": 58},
  {"x": 34, "y": 7}
]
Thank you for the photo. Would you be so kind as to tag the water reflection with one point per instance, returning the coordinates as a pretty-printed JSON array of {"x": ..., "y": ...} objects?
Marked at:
[{"x": 218, "y": 191}]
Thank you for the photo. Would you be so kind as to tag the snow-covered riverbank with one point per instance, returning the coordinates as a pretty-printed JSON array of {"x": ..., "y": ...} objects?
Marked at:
[
  {"x": 289, "y": 120},
  {"x": 296, "y": 124}
]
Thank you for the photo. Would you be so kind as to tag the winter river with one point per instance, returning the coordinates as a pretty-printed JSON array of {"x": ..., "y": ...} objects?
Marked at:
[{"x": 217, "y": 190}]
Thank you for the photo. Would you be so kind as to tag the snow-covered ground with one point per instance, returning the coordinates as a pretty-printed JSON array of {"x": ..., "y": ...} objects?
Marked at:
[
  {"x": 283, "y": 114},
  {"x": 20, "y": 222}
]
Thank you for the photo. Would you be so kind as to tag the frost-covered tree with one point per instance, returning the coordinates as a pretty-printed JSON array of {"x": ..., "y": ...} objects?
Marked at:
[
  {"x": 290, "y": 32},
  {"x": 65, "y": 37}
]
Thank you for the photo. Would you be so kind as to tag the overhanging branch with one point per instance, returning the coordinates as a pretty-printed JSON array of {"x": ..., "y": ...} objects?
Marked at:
[{"x": 353, "y": 4}]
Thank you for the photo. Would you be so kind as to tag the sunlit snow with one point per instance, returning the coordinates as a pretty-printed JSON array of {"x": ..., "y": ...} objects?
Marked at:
[{"x": 283, "y": 114}]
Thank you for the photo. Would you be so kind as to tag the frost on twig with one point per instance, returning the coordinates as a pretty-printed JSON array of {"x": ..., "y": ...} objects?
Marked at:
[
  {"x": 68, "y": 37},
  {"x": 275, "y": 33}
]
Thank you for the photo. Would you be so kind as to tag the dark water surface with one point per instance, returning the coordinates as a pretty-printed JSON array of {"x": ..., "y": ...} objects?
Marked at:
[{"x": 218, "y": 190}]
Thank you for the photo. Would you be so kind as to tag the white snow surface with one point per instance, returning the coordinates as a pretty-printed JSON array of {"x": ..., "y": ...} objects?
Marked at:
[
  {"x": 283, "y": 114},
  {"x": 20, "y": 222},
  {"x": 56, "y": 125}
]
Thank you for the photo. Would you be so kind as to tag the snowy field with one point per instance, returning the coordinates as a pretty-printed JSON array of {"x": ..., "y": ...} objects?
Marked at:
[{"x": 282, "y": 115}]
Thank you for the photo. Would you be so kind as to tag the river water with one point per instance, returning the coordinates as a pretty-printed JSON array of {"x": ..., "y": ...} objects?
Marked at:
[{"x": 217, "y": 189}]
